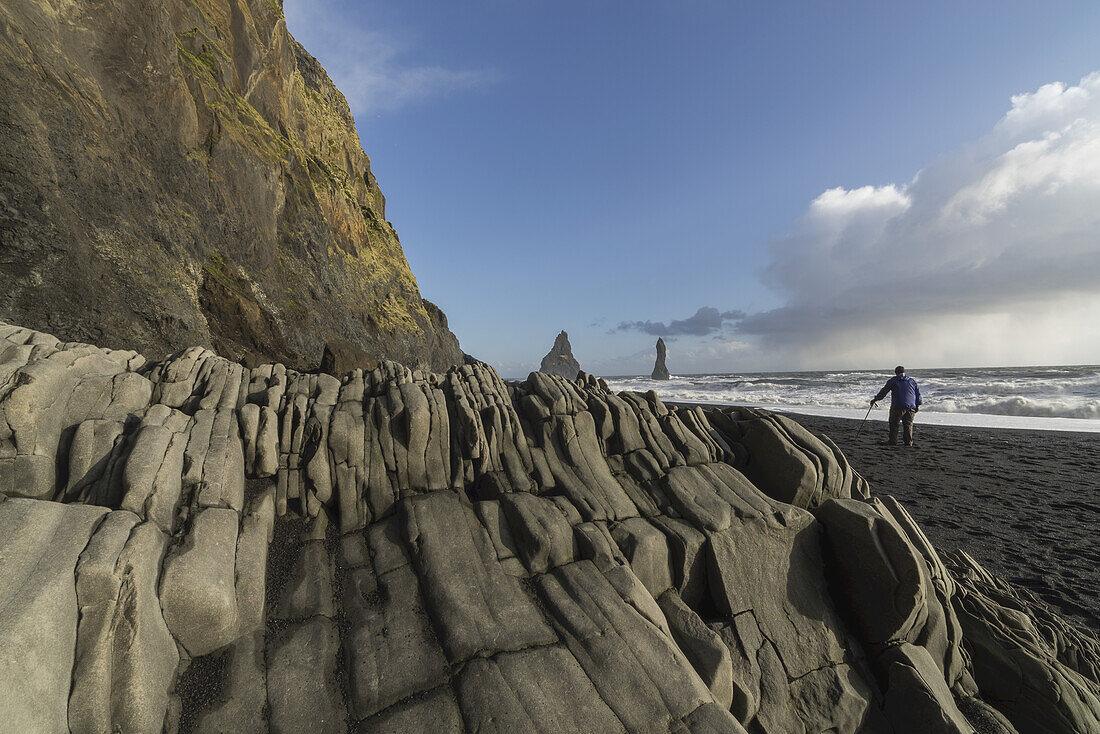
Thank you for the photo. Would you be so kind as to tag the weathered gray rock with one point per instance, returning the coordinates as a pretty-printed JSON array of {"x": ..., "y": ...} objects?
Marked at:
[
  {"x": 787, "y": 462},
  {"x": 240, "y": 707},
  {"x": 98, "y": 583},
  {"x": 617, "y": 649},
  {"x": 40, "y": 543},
  {"x": 308, "y": 591},
  {"x": 881, "y": 572},
  {"x": 1031, "y": 666},
  {"x": 770, "y": 565},
  {"x": 89, "y": 457},
  {"x": 917, "y": 698},
  {"x": 660, "y": 371},
  {"x": 689, "y": 571},
  {"x": 646, "y": 549},
  {"x": 435, "y": 711},
  {"x": 126, "y": 658},
  {"x": 267, "y": 444},
  {"x": 477, "y": 607},
  {"x": 539, "y": 531},
  {"x": 541, "y": 689},
  {"x": 251, "y": 563},
  {"x": 455, "y": 553},
  {"x": 391, "y": 649},
  {"x": 703, "y": 647},
  {"x": 153, "y": 475},
  {"x": 302, "y": 689},
  {"x": 560, "y": 360},
  {"x": 197, "y": 592}
]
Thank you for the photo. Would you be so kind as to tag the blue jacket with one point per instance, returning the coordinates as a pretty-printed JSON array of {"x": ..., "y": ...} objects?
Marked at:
[{"x": 903, "y": 390}]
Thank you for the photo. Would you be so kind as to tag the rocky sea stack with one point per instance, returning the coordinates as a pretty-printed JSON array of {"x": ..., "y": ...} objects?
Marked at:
[
  {"x": 560, "y": 360},
  {"x": 660, "y": 371},
  {"x": 182, "y": 172}
]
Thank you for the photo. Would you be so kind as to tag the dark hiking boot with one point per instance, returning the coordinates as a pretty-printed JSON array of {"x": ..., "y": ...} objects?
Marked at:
[{"x": 888, "y": 443}]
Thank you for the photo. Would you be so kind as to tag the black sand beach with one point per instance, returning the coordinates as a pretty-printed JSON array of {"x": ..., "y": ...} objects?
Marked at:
[{"x": 1026, "y": 504}]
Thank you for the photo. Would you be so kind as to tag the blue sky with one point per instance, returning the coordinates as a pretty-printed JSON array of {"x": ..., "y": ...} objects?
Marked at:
[{"x": 851, "y": 184}]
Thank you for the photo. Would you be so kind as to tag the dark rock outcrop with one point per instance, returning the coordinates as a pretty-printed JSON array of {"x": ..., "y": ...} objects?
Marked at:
[
  {"x": 190, "y": 542},
  {"x": 660, "y": 371},
  {"x": 1041, "y": 673},
  {"x": 181, "y": 172},
  {"x": 559, "y": 360},
  {"x": 341, "y": 357}
]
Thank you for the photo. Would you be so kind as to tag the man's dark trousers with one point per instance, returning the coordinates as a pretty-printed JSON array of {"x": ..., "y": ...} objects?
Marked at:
[{"x": 905, "y": 417}]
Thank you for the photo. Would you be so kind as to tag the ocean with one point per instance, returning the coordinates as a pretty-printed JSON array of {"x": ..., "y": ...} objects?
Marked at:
[{"x": 1043, "y": 398}]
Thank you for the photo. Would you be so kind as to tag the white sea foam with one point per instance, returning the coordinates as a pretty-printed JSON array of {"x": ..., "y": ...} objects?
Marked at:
[{"x": 1043, "y": 398}]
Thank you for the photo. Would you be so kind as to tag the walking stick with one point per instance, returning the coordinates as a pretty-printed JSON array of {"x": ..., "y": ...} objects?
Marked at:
[{"x": 864, "y": 419}]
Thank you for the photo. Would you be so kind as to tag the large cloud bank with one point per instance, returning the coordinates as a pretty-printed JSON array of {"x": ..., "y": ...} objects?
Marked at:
[
  {"x": 706, "y": 320},
  {"x": 990, "y": 255}
]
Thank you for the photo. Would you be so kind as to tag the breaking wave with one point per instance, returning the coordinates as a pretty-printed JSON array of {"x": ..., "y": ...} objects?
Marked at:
[
  {"x": 1034, "y": 392},
  {"x": 1021, "y": 406}
]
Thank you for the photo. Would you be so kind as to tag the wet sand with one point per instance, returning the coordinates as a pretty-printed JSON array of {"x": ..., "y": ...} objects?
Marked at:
[{"x": 1026, "y": 504}]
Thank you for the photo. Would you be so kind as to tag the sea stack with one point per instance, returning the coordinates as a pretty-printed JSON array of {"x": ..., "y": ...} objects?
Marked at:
[
  {"x": 660, "y": 371},
  {"x": 560, "y": 360}
]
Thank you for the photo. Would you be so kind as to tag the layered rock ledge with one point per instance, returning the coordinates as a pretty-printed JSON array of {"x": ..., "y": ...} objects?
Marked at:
[{"x": 191, "y": 545}]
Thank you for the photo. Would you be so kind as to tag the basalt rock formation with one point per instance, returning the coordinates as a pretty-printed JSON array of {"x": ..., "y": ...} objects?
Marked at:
[
  {"x": 180, "y": 172},
  {"x": 192, "y": 545},
  {"x": 560, "y": 360},
  {"x": 660, "y": 371}
]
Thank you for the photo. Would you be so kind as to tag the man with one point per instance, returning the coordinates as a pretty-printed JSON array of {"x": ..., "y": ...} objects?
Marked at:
[{"x": 904, "y": 403}]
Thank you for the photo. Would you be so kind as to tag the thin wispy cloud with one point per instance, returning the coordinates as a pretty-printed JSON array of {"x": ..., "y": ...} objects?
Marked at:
[
  {"x": 377, "y": 69},
  {"x": 707, "y": 320},
  {"x": 990, "y": 253}
]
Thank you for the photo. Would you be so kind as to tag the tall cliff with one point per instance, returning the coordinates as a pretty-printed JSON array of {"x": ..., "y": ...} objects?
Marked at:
[{"x": 179, "y": 172}]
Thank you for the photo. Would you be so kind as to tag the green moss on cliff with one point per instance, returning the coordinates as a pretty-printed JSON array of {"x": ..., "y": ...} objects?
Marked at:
[
  {"x": 218, "y": 269},
  {"x": 239, "y": 119}
]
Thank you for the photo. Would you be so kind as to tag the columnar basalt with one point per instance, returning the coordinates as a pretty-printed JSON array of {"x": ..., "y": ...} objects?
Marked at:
[{"x": 192, "y": 543}]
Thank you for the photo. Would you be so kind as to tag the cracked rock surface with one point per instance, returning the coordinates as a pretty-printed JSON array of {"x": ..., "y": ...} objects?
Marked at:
[{"x": 191, "y": 545}]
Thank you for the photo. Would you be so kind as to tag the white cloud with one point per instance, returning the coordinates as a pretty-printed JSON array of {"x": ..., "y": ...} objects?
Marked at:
[
  {"x": 1050, "y": 102},
  {"x": 991, "y": 254},
  {"x": 374, "y": 67},
  {"x": 841, "y": 202}
]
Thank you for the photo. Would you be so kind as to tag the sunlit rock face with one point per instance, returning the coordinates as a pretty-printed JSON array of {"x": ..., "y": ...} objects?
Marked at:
[
  {"x": 182, "y": 172},
  {"x": 192, "y": 544}
]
